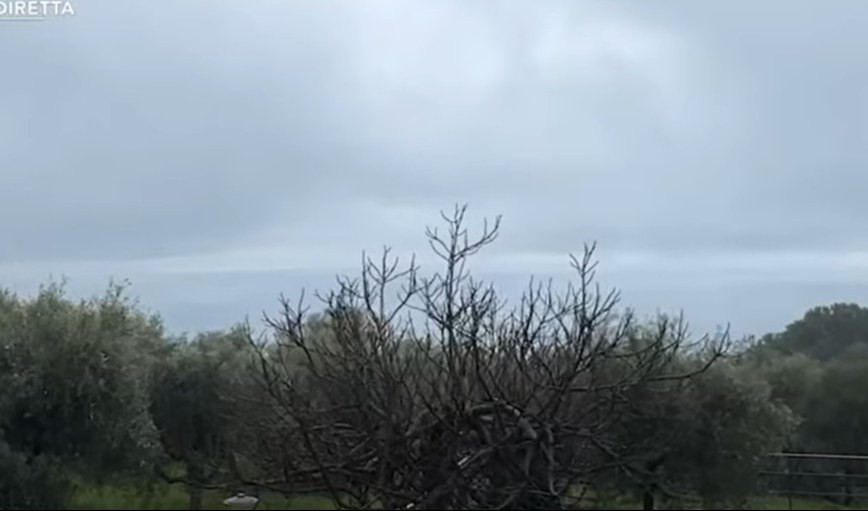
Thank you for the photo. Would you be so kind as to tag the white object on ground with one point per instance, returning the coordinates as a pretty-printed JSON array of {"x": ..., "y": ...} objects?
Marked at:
[{"x": 241, "y": 501}]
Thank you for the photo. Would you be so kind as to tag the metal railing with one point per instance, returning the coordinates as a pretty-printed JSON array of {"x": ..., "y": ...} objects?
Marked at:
[{"x": 838, "y": 478}]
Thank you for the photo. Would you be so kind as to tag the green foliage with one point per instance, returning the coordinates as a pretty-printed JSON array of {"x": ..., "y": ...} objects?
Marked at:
[
  {"x": 824, "y": 376},
  {"x": 73, "y": 388},
  {"x": 824, "y": 333},
  {"x": 792, "y": 378},
  {"x": 706, "y": 436},
  {"x": 837, "y": 415},
  {"x": 818, "y": 367},
  {"x": 29, "y": 482},
  {"x": 192, "y": 400},
  {"x": 733, "y": 424},
  {"x": 92, "y": 389}
]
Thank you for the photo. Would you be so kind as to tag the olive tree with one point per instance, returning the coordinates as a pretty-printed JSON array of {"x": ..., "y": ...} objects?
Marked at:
[
  {"x": 73, "y": 384},
  {"x": 193, "y": 408}
]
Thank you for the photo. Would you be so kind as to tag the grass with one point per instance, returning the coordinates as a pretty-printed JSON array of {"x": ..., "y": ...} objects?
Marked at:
[
  {"x": 165, "y": 496},
  {"x": 777, "y": 503},
  {"x": 758, "y": 503},
  {"x": 782, "y": 503}
]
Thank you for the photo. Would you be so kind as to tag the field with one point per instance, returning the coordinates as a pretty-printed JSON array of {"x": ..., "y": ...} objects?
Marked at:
[{"x": 163, "y": 496}]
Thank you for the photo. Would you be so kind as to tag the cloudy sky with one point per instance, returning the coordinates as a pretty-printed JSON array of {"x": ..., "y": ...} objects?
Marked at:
[{"x": 219, "y": 153}]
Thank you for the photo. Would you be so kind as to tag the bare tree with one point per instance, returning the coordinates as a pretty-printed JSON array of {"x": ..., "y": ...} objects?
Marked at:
[{"x": 432, "y": 392}]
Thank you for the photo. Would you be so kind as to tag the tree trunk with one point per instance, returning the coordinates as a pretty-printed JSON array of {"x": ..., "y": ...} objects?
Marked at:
[
  {"x": 648, "y": 500},
  {"x": 651, "y": 484},
  {"x": 194, "y": 490},
  {"x": 195, "y": 498}
]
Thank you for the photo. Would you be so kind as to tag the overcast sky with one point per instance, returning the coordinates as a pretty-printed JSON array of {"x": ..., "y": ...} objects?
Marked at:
[{"x": 219, "y": 153}]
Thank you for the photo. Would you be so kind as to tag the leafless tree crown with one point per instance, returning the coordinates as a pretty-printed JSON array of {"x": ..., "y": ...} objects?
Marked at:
[{"x": 432, "y": 392}]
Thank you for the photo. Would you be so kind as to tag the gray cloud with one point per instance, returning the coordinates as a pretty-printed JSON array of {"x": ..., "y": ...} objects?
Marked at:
[{"x": 205, "y": 148}]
